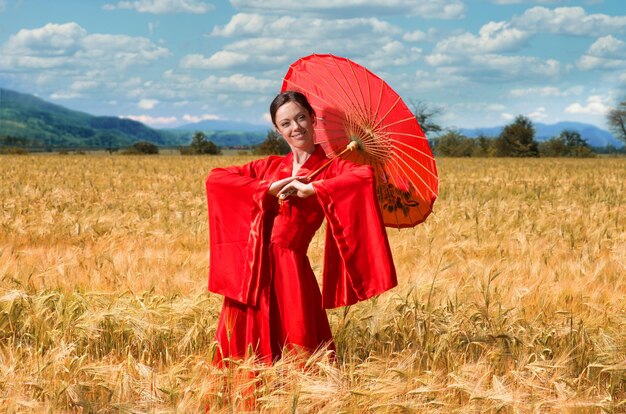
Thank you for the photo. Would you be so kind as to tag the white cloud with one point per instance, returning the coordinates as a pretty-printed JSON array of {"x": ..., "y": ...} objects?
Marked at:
[
  {"x": 538, "y": 114},
  {"x": 507, "y": 116},
  {"x": 416, "y": 36},
  {"x": 81, "y": 85},
  {"x": 239, "y": 83},
  {"x": 198, "y": 118},
  {"x": 273, "y": 53},
  {"x": 497, "y": 68},
  {"x": 477, "y": 106},
  {"x": 258, "y": 25},
  {"x": 69, "y": 46},
  {"x": 268, "y": 43},
  {"x": 152, "y": 120},
  {"x": 31, "y": 62},
  {"x": 392, "y": 54},
  {"x": 3, "y": 5},
  {"x": 596, "y": 105},
  {"x": 420, "y": 36},
  {"x": 432, "y": 9},
  {"x": 608, "y": 46},
  {"x": 252, "y": 55},
  {"x": 546, "y": 91},
  {"x": 60, "y": 95},
  {"x": 220, "y": 60},
  {"x": 483, "y": 56},
  {"x": 518, "y": 65},
  {"x": 48, "y": 41},
  {"x": 605, "y": 53},
  {"x": 524, "y": 1},
  {"x": 121, "y": 49},
  {"x": 492, "y": 37},
  {"x": 423, "y": 80},
  {"x": 162, "y": 6},
  {"x": 440, "y": 59},
  {"x": 242, "y": 24},
  {"x": 569, "y": 20},
  {"x": 147, "y": 103},
  {"x": 272, "y": 46}
]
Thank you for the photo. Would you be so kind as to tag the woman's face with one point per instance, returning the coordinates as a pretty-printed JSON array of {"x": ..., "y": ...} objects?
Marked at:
[{"x": 295, "y": 124}]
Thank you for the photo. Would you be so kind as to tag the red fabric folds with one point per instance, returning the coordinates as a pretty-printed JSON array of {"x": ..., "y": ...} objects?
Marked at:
[
  {"x": 258, "y": 253},
  {"x": 356, "y": 240},
  {"x": 235, "y": 198}
]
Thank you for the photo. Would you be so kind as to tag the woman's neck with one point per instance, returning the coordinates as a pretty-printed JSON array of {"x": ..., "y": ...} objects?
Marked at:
[{"x": 301, "y": 155}]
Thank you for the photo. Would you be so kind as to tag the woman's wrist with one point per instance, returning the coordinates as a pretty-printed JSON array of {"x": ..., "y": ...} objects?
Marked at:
[{"x": 311, "y": 189}]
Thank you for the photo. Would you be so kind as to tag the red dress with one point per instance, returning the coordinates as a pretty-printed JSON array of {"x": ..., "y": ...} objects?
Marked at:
[{"x": 258, "y": 253}]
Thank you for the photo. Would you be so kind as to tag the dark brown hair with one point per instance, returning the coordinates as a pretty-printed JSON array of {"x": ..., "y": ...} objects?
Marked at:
[{"x": 290, "y": 96}]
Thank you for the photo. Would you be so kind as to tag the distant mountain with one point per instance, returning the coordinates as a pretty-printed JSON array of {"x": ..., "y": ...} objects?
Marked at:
[
  {"x": 224, "y": 125},
  {"x": 596, "y": 137},
  {"x": 28, "y": 120},
  {"x": 226, "y": 133},
  {"x": 44, "y": 124}
]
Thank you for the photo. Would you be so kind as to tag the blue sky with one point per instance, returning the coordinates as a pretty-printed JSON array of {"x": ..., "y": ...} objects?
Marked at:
[{"x": 171, "y": 62}]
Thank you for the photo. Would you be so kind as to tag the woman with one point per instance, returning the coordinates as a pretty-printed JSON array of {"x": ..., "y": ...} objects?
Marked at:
[{"x": 258, "y": 248}]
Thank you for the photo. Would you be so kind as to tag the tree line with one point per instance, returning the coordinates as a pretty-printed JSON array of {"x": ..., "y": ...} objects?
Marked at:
[{"x": 516, "y": 140}]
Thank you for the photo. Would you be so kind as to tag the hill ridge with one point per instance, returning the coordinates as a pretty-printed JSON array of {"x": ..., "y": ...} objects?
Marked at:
[
  {"x": 595, "y": 136},
  {"x": 46, "y": 124}
]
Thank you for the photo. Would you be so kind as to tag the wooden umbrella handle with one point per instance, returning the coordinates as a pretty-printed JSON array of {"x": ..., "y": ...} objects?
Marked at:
[{"x": 350, "y": 147}]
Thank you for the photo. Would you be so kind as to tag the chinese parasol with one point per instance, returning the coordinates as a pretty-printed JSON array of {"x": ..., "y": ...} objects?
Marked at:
[{"x": 353, "y": 105}]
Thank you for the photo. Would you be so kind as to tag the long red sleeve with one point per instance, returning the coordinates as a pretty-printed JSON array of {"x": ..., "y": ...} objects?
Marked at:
[
  {"x": 357, "y": 262},
  {"x": 235, "y": 198}
]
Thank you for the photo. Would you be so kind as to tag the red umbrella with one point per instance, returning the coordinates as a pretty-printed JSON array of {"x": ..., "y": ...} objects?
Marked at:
[{"x": 354, "y": 105}]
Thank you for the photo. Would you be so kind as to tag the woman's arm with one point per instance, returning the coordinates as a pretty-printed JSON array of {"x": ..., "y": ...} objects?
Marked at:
[
  {"x": 281, "y": 186},
  {"x": 294, "y": 186}
]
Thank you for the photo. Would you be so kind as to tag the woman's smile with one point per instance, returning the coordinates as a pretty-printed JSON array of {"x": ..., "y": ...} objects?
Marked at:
[{"x": 295, "y": 124}]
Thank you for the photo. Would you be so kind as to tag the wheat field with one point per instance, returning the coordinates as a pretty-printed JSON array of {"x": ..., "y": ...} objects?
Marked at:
[{"x": 511, "y": 296}]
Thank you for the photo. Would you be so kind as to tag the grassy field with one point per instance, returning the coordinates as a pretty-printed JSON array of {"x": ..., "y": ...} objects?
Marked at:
[{"x": 512, "y": 296}]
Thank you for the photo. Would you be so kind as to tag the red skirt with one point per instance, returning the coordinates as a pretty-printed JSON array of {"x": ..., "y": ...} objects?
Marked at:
[{"x": 289, "y": 315}]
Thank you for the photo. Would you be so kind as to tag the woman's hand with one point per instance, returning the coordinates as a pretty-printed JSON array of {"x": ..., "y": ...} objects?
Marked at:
[
  {"x": 277, "y": 186},
  {"x": 302, "y": 190}
]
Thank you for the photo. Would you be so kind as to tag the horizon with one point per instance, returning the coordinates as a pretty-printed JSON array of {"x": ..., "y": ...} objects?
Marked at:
[
  {"x": 175, "y": 62},
  {"x": 462, "y": 130}
]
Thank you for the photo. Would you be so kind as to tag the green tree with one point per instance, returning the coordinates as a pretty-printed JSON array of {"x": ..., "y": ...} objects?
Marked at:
[
  {"x": 142, "y": 147},
  {"x": 616, "y": 118},
  {"x": 484, "y": 147},
  {"x": 454, "y": 144},
  {"x": 518, "y": 139},
  {"x": 108, "y": 140},
  {"x": 568, "y": 144},
  {"x": 200, "y": 144},
  {"x": 273, "y": 144},
  {"x": 572, "y": 139},
  {"x": 11, "y": 141},
  {"x": 576, "y": 145},
  {"x": 554, "y": 147}
]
